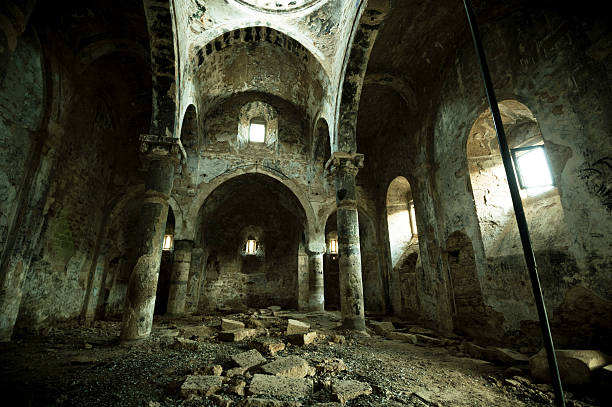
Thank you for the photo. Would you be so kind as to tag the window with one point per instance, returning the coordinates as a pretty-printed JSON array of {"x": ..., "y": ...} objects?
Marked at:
[
  {"x": 251, "y": 247},
  {"x": 532, "y": 168},
  {"x": 167, "y": 245},
  {"x": 413, "y": 225},
  {"x": 333, "y": 246},
  {"x": 257, "y": 131}
]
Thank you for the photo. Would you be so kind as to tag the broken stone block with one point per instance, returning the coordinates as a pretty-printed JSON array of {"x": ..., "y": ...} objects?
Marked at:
[
  {"x": 188, "y": 344},
  {"x": 278, "y": 386},
  {"x": 303, "y": 339},
  {"x": 422, "y": 331},
  {"x": 268, "y": 345},
  {"x": 510, "y": 357},
  {"x": 382, "y": 328},
  {"x": 236, "y": 371},
  {"x": 296, "y": 327},
  {"x": 339, "y": 339},
  {"x": 424, "y": 339},
  {"x": 237, "y": 387},
  {"x": 275, "y": 308},
  {"x": 237, "y": 335},
  {"x": 256, "y": 323},
  {"x": 575, "y": 366},
  {"x": 331, "y": 366},
  {"x": 221, "y": 401},
  {"x": 215, "y": 370},
  {"x": 231, "y": 325},
  {"x": 290, "y": 366},
  {"x": 401, "y": 336},
  {"x": 259, "y": 402},
  {"x": 345, "y": 390},
  {"x": 201, "y": 385},
  {"x": 248, "y": 359}
]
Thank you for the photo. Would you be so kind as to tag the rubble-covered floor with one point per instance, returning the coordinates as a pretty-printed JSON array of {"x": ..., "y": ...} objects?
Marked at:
[{"x": 73, "y": 365}]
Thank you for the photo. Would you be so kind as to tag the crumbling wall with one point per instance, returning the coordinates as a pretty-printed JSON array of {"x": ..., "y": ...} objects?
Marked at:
[{"x": 565, "y": 85}]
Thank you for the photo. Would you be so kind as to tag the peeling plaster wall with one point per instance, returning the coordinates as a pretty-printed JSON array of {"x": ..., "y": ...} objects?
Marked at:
[{"x": 548, "y": 68}]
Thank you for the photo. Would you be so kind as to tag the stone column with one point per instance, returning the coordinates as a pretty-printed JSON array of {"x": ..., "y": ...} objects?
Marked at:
[
  {"x": 179, "y": 277},
  {"x": 316, "y": 300},
  {"x": 162, "y": 154},
  {"x": 344, "y": 168}
]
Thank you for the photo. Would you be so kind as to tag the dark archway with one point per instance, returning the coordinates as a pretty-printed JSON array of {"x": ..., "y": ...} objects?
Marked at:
[
  {"x": 250, "y": 227},
  {"x": 165, "y": 267}
]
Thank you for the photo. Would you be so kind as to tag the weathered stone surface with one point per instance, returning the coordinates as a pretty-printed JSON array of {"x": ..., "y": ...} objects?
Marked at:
[
  {"x": 230, "y": 324},
  {"x": 201, "y": 385},
  {"x": 575, "y": 366},
  {"x": 260, "y": 402},
  {"x": 290, "y": 366},
  {"x": 268, "y": 345},
  {"x": 248, "y": 359},
  {"x": 331, "y": 366},
  {"x": 254, "y": 322},
  {"x": 422, "y": 331},
  {"x": 199, "y": 333},
  {"x": 278, "y": 386},
  {"x": 214, "y": 370},
  {"x": 339, "y": 339},
  {"x": 424, "y": 339},
  {"x": 182, "y": 343},
  {"x": 236, "y": 371},
  {"x": 221, "y": 401},
  {"x": 382, "y": 328},
  {"x": 402, "y": 336},
  {"x": 345, "y": 390},
  {"x": 303, "y": 339},
  {"x": 510, "y": 357},
  {"x": 296, "y": 327},
  {"x": 275, "y": 308},
  {"x": 237, "y": 387},
  {"x": 237, "y": 335}
]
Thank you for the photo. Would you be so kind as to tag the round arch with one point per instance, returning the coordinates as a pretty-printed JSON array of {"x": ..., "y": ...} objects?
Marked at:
[{"x": 204, "y": 190}]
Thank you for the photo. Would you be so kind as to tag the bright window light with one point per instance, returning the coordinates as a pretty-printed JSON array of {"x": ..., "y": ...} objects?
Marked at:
[
  {"x": 167, "y": 242},
  {"x": 413, "y": 224},
  {"x": 257, "y": 132},
  {"x": 251, "y": 246},
  {"x": 333, "y": 246},
  {"x": 532, "y": 167}
]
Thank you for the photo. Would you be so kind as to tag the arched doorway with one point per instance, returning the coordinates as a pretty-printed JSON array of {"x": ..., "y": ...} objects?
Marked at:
[
  {"x": 165, "y": 267},
  {"x": 403, "y": 247},
  {"x": 250, "y": 228}
]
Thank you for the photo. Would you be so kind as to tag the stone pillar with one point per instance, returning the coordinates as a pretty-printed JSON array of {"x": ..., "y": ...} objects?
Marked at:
[
  {"x": 316, "y": 300},
  {"x": 162, "y": 154},
  {"x": 344, "y": 168},
  {"x": 179, "y": 277}
]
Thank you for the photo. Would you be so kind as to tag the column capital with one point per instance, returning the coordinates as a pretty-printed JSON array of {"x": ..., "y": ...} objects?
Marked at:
[
  {"x": 315, "y": 248},
  {"x": 153, "y": 147},
  {"x": 345, "y": 162}
]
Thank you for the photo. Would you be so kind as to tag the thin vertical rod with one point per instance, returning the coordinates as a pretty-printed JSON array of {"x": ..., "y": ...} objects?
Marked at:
[{"x": 518, "y": 207}]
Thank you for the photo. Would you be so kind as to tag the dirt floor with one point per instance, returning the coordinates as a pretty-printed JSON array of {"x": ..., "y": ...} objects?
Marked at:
[{"x": 74, "y": 365}]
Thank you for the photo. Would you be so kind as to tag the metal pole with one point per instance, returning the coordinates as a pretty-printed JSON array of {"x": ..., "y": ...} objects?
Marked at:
[{"x": 518, "y": 207}]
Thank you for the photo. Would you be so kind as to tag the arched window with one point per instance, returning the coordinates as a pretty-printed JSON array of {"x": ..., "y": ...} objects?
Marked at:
[
  {"x": 401, "y": 218},
  {"x": 257, "y": 125}
]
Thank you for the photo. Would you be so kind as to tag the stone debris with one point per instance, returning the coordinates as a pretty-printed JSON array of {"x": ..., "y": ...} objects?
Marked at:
[
  {"x": 248, "y": 359},
  {"x": 510, "y": 357},
  {"x": 339, "y": 339},
  {"x": 188, "y": 344},
  {"x": 236, "y": 371},
  {"x": 275, "y": 308},
  {"x": 290, "y": 366},
  {"x": 221, "y": 401},
  {"x": 278, "y": 386},
  {"x": 199, "y": 333},
  {"x": 402, "y": 336},
  {"x": 201, "y": 385},
  {"x": 237, "y": 335},
  {"x": 259, "y": 402},
  {"x": 254, "y": 322},
  {"x": 575, "y": 366},
  {"x": 297, "y": 327},
  {"x": 345, "y": 390},
  {"x": 428, "y": 340},
  {"x": 230, "y": 324},
  {"x": 303, "y": 339},
  {"x": 328, "y": 366},
  {"x": 422, "y": 331},
  {"x": 268, "y": 345},
  {"x": 214, "y": 370},
  {"x": 237, "y": 387},
  {"x": 382, "y": 328}
]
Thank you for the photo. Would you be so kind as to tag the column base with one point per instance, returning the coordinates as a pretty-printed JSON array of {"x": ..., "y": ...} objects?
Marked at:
[{"x": 354, "y": 324}]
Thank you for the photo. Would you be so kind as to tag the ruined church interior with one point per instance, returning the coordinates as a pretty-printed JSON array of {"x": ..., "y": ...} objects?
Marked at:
[{"x": 303, "y": 203}]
